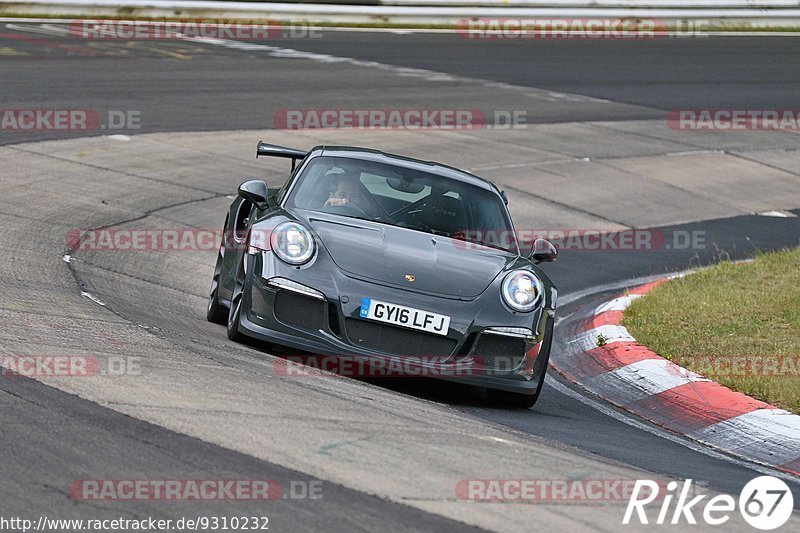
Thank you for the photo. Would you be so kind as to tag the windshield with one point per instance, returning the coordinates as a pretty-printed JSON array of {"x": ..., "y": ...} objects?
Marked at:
[{"x": 403, "y": 197}]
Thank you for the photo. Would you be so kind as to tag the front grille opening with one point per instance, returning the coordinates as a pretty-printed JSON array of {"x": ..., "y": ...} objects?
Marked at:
[
  {"x": 297, "y": 310},
  {"x": 499, "y": 352},
  {"x": 397, "y": 341}
]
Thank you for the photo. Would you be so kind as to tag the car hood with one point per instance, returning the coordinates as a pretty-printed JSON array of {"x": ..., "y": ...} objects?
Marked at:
[{"x": 388, "y": 254}]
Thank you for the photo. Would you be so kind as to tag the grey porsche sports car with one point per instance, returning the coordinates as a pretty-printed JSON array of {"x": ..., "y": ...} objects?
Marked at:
[{"x": 379, "y": 257}]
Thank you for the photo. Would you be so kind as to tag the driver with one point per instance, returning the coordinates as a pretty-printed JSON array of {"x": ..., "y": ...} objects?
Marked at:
[{"x": 347, "y": 193}]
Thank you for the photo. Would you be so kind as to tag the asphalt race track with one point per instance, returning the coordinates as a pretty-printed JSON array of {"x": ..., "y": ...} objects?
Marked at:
[
  {"x": 201, "y": 87},
  {"x": 594, "y": 152}
]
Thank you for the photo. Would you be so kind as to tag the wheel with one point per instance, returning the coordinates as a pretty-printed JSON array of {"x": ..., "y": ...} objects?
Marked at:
[
  {"x": 216, "y": 312},
  {"x": 235, "y": 311}
]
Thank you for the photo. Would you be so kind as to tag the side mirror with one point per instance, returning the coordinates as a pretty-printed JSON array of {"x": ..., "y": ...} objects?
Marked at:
[
  {"x": 255, "y": 191},
  {"x": 543, "y": 251}
]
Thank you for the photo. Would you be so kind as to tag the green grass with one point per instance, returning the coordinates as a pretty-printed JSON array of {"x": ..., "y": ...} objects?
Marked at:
[{"x": 706, "y": 319}]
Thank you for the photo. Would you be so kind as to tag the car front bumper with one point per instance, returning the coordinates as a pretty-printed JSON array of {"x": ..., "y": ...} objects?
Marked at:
[{"x": 321, "y": 315}]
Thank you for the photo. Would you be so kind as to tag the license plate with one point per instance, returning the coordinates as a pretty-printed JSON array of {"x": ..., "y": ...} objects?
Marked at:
[{"x": 408, "y": 317}]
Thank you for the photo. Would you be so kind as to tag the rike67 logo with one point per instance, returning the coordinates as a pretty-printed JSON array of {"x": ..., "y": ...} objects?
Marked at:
[{"x": 765, "y": 503}]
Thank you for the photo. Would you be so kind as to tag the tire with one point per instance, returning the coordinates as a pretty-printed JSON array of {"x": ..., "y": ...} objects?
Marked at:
[
  {"x": 216, "y": 312},
  {"x": 235, "y": 311}
]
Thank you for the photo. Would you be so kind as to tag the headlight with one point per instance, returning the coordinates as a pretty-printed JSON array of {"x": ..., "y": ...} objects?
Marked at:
[
  {"x": 292, "y": 243},
  {"x": 522, "y": 290}
]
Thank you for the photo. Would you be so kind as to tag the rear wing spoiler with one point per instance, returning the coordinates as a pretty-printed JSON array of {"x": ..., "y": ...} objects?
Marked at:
[{"x": 273, "y": 150}]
